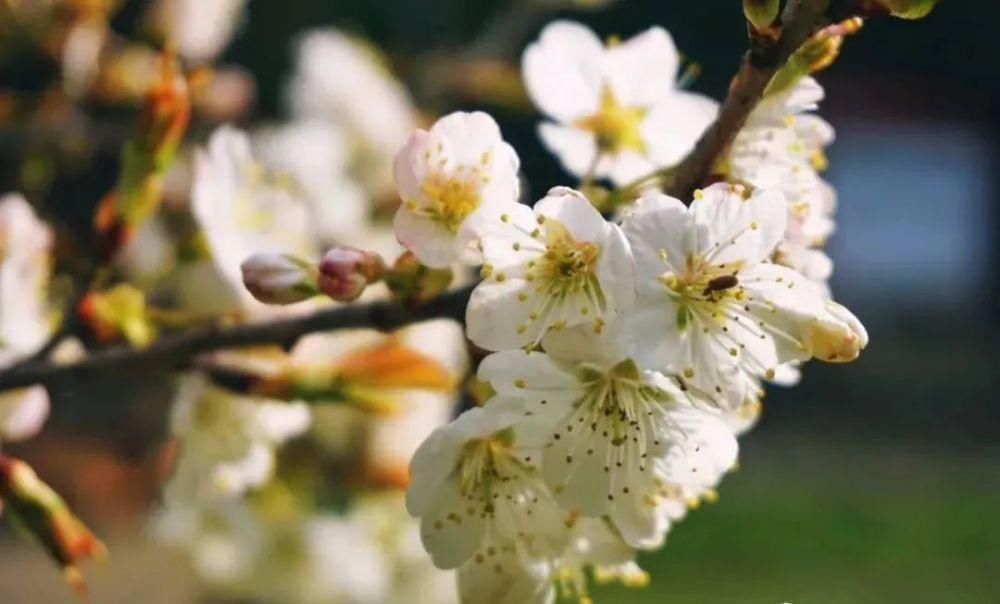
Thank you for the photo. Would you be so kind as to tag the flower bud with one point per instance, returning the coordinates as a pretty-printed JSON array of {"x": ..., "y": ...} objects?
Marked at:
[
  {"x": 345, "y": 272},
  {"x": 118, "y": 312},
  {"x": 43, "y": 513},
  {"x": 279, "y": 278},
  {"x": 414, "y": 282},
  {"x": 761, "y": 13},
  {"x": 838, "y": 336}
]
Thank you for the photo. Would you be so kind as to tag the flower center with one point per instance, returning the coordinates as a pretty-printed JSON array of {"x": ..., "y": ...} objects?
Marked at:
[
  {"x": 619, "y": 401},
  {"x": 567, "y": 266},
  {"x": 485, "y": 461},
  {"x": 615, "y": 126},
  {"x": 452, "y": 198}
]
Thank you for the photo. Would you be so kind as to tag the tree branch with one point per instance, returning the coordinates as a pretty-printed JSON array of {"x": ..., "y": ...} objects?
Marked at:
[
  {"x": 800, "y": 20},
  {"x": 176, "y": 351}
]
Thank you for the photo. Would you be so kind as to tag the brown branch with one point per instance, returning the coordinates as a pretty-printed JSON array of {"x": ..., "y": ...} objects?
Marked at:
[
  {"x": 800, "y": 19},
  {"x": 176, "y": 351}
]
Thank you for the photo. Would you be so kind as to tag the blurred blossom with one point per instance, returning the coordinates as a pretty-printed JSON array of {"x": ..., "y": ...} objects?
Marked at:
[
  {"x": 345, "y": 81},
  {"x": 199, "y": 29},
  {"x": 25, "y": 267},
  {"x": 22, "y": 413},
  {"x": 452, "y": 179},
  {"x": 317, "y": 154},
  {"x": 81, "y": 55},
  {"x": 243, "y": 208},
  {"x": 610, "y": 119},
  {"x": 228, "y": 94},
  {"x": 228, "y": 440}
]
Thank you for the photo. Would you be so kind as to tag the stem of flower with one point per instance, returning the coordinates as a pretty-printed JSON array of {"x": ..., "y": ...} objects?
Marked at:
[{"x": 800, "y": 20}]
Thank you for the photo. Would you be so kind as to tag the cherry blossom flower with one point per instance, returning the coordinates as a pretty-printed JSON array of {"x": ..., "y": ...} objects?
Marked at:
[
  {"x": 315, "y": 156},
  {"x": 594, "y": 547},
  {"x": 711, "y": 308},
  {"x": 229, "y": 440},
  {"x": 781, "y": 148},
  {"x": 200, "y": 29},
  {"x": 617, "y": 110},
  {"x": 620, "y": 439},
  {"x": 460, "y": 166},
  {"x": 25, "y": 270},
  {"x": 557, "y": 266},
  {"x": 361, "y": 98},
  {"x": 245, "y": 208},
  {"x": 479, "y": 501}
]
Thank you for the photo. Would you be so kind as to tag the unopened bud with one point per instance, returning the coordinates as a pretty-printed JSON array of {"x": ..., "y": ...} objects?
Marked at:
[
  {"x": 118, "y": 312},
  {"x": 816, "y": 54},
  {"x": 414, "y": 282},
  {"x": 279, "y": 278},
  {"x": 838, "y": 336},
  {"x": 345, "y": 272},
  {"x": 45, "y": 515},
  {"x": 761, "y": 14}
]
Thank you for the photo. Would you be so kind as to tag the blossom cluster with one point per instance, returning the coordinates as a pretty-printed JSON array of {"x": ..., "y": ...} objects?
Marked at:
[
  {"x": 626, "y": 353},
  {"x": 615, "y": 345}
]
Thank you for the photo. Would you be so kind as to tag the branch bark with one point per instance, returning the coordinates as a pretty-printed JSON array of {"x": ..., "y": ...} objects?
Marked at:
[
  {"x": 176, "y": 351},
  {"x": 800, "y": 20}
]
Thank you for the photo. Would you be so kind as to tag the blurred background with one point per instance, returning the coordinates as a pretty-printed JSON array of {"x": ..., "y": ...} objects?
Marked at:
[{"x": 877, "y": 482}]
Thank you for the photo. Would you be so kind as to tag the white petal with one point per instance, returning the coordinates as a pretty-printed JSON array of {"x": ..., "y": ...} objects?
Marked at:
[
  {"x": 740, "y": 231},
  {"x": 563, "y": 71},
  {"x": 429, "y": 241},
  {"x": 660, "y": 231},
  {"x": 410, "y": 166},
  {"x": 575, "y": 148},
  {"x": 673, "y": 127},
  {"x": 630, "y": 63},
  {"x": 575, "y": 212},
  {"x": 504, "y": 578},
  {"x": 449, "y": 533},
  {"x": 495, "y": 315},
  {"x": 23, "y": 413}
]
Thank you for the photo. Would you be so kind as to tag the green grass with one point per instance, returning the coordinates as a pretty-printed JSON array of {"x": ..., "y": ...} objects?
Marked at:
[{"x": 836, "y": 526}]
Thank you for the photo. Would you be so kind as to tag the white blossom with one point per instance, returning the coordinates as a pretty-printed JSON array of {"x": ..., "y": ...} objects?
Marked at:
[
  {"x": 620, "y": 439},
  {"x": 479, "y": 501},
  {"x": 781, "y": 148},
  {"x": 595, "y": 549},
  {"x": 711, "y": 308},
  {"x": 229, "y": 440},
  {"x": 199, "y": 29},
  {"x": 345, "y": 81},
  {"x": 445, "y": 175},
  {"x": 558, "y": 265},
  {"x": 617, "y": 110},
  {"x": 25, "y": 270},
  {"x": 316, "y": 156},
  {"x": 245, "y": 208}
]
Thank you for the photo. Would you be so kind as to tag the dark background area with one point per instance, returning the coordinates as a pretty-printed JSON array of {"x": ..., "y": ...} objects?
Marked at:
[{"x": 874, "y": 482}]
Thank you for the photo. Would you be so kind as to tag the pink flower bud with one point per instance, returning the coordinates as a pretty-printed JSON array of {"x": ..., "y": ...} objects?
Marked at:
[
  {"x": 279, "y": 278},
  {"x": 344, "y": 272}
]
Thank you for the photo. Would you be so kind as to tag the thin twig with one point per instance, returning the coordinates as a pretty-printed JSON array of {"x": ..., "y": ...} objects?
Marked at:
[
  {"x": 800, "y": 20},
  {"x": 176, "y": 351}
]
